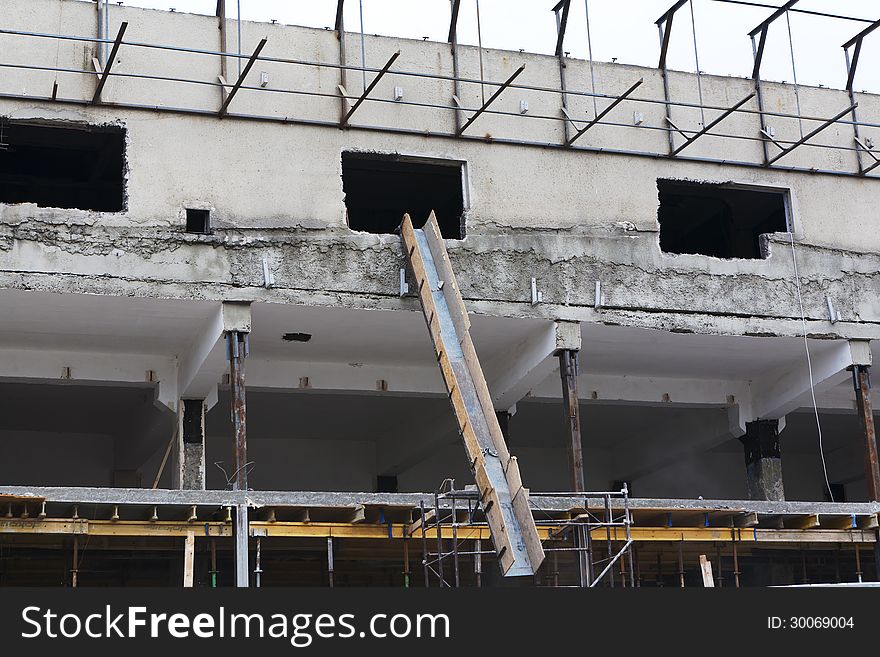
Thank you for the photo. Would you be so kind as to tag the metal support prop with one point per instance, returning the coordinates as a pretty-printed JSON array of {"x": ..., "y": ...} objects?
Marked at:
[
  {"x": 214, "y": 571},
  {"x": 712, "y": 124},
  {"x": 247, "y": 69},
  {"x": 680, "y": 564},
  {"x": 240, "y": 529},
  {"x": 803, "y": 140},
  {"x": 664, "y": 27},
  {"x": 109, "y": 64},
  {"x": 478, "y": 563},
  {"x": 736, "y": 572},
  {"x": 561, "y": 10},
  {"x": 568, "y": 370},
  {"x": 424, "y": 544},
  {"x": 862, "y": 385},
  {"x": 237, "y": 351},
  {"x": 74, "y": 570},
  {"x": 406, "y": 571},
  {"x": 369, "y": 88},
  {"x": 491, "y": 99},
  {"x": 258, "y": 569},
  {"x": 858, "y": 563},
  {"x": 601, "y": 115},
  {"x": 330, "y": 564}
]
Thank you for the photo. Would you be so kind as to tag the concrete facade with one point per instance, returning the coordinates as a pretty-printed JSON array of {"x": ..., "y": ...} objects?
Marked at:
[{"x": 692, "y": 346}]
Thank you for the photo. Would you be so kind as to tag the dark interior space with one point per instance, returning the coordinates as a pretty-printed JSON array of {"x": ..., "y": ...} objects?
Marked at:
[
  {"x": 198, "y": 221},
  {"x": 62, "y": 166},
  {"x": 379, "y": 189},
  {"x": 722, "y": 221}
]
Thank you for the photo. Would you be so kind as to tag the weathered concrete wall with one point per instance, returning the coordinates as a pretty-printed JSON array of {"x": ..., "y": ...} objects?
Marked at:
[{"x": 568, "y": 218}]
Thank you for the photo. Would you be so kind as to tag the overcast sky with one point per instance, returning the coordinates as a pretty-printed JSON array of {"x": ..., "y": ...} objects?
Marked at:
[{"x": 622, "y": 29}]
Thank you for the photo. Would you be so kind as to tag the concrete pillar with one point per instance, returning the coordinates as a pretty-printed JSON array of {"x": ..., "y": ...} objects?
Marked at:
[
  {"x": 191, "y": 458},
  {"x": 763, "y": 460},
  {"x": 862, "y": 385}
]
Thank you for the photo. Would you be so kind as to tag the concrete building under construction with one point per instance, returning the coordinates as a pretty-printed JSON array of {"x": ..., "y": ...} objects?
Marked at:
[{"x": 447, "y": 316}]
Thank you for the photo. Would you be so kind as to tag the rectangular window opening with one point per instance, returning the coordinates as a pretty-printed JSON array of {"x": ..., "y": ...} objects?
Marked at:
[
  {"x": 198, "y": 221},
  {"x": 62, "y": 166},
  {"x": 722, "y": 221},
  {"x": 379, "y": 189}
]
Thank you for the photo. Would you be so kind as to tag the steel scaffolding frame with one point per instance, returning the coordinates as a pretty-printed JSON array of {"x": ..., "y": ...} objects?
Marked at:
[{"x": 460, "y": 512}]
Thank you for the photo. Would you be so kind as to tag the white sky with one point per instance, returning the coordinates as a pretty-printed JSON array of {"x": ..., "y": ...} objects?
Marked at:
[{"x": 622, "y": 29}]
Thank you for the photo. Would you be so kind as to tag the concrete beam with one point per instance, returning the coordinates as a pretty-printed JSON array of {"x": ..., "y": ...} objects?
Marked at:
[
  {"x": 69, "y": 495},
  {"x": 92, "y": 367},
  {"x": 513, "y": 376},
  {"x": 202, "y": 366},
  {"x": 783, "y": 392},
  {"x": 344, "y": 377},
  {"x": 648, "y": 391}
]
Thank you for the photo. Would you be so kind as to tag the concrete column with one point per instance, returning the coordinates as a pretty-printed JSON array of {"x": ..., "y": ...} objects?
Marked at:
[
  {"x": 862, "y": 385},
  {"x": 763, "y": 460},
  {"x": 192, "y": 444}
]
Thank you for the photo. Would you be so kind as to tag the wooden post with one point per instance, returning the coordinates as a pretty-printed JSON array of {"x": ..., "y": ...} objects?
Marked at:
[
  {"x": 706, "y": 569},
  {"x": 189, "y": 551}
]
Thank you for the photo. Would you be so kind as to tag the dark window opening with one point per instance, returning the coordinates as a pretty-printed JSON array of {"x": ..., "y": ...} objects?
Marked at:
[
  {"x": 198, "y": 221},
  {"x": 386, "y": 484},
  {"x": 722, "y": 221},
  {"x": 379, "y": 189},
  {"x": 57, "y": 166}
]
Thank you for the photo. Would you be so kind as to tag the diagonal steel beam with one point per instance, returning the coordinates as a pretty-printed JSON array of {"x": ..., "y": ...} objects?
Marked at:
[
  {"x": 105, "y": 74},
  {"x": 812, "y": 134},
  {"x": 369, "y": 88},
  {"x": 622, "y": 97},
  {"x": 492, "y": 98},
  {"x": 244, "y": 72},
  {"x": 712, "y": 124},
  {"x": 565, "y": 6},
  {"x": 453, "y": 21}
]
